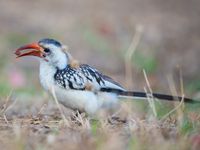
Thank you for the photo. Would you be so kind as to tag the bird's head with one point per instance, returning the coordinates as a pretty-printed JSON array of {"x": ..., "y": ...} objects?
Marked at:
[{"x": 48, "y": 50}]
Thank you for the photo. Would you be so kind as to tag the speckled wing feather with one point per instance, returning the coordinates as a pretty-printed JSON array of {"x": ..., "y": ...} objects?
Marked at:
[{"x": 79, "y": 78}]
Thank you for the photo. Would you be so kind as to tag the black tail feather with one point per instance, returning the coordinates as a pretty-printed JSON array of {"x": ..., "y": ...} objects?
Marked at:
[{"x": 153, "y": 95}]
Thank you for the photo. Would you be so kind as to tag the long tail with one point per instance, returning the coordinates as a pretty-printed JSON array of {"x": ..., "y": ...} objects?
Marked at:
[{"x": 135, "y": 94}]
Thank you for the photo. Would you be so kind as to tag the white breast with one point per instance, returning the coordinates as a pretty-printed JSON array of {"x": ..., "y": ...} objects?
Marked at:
[{"x": 47, "y": 75}]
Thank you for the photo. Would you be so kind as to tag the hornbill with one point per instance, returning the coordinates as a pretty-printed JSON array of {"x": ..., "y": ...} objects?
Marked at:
[{"x": 79, "y": 86}]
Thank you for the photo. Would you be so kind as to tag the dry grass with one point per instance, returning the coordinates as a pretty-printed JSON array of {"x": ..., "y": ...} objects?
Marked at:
[
  {"x": 35, "y": 122},
  {"x": 38, "y": 124}
]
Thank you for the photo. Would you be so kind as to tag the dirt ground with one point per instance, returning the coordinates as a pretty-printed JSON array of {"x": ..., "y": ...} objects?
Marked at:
[{"x": 100, "y": 32}]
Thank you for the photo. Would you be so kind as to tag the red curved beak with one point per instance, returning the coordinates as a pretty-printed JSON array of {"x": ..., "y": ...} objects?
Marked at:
[{"x": 33, "y": 49}]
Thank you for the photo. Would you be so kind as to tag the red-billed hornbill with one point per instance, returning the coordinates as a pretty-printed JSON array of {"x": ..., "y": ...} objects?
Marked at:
[{"x": 82, "y": 88}]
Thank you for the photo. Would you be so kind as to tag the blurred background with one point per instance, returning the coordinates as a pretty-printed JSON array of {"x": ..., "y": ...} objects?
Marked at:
[
  {"x": 164, "y": 37},
  {"x": 100, "y": 32}
]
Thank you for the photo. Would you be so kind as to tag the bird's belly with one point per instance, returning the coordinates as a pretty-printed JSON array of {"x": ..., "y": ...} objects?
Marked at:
[
  {"x": 81, "y": 100},
  {"x": 86, "y": 101}
]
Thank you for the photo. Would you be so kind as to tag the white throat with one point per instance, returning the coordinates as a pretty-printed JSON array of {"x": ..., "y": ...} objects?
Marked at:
[{"x": 48, "y": 70}]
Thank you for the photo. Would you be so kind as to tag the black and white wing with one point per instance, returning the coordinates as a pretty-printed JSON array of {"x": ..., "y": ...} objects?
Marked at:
[
  {"x": 99, "y": 80},
  {"x": 79, "y": 78}
]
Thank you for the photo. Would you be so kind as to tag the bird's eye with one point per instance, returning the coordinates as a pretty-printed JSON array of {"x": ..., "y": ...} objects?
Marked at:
[{"x": 46, "y": 50}]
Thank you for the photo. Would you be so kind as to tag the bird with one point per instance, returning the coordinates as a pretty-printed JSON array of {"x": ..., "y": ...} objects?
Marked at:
[{"x": 79, "y": 86}]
